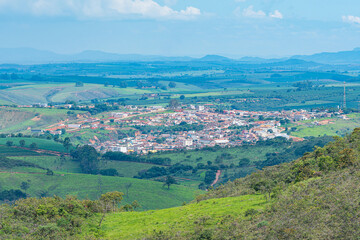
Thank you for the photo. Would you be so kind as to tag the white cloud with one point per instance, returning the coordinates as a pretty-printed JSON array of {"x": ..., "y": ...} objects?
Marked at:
[
  {"x": 276, "y": 14},
  {"x": 250, "y": 12},
  {"x": 351, "y": 19},
  {"x": 98, "y": 8}
]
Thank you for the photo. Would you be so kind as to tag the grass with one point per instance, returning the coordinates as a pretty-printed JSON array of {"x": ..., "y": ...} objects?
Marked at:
[
  {"x": 150, "y": 194},
  {"x": 126, "y": 169},
  {"x": 21, "y": 119},
  {"x": 136, "y": 225},
  {"x": 10, "y": 151},
  {"x": 339, "y": 127},
  {"x": 52, "y": 162},
  {"x": 254, "y": 153},
  {"x": 41, "y": 143}
]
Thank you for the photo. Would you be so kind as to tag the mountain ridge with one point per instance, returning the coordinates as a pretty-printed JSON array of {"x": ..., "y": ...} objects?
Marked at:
[{"x": 29, "y": 56}]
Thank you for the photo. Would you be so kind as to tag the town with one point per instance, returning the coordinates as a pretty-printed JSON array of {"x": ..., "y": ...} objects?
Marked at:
[{"x": 156, "y": 128}]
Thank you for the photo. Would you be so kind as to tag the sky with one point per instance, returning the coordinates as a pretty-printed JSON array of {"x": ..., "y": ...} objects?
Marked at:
[{"x": 233, "y": 28}]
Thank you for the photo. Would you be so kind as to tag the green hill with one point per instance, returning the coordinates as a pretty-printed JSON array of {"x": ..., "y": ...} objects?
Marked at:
[
  {"x": 149, "y": 194},
  {"x": 314, "y": 197},
  {"x": 135, "y": 225}
]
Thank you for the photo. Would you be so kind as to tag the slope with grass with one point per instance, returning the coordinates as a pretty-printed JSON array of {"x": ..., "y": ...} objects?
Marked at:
[
  {"x": 334, "y": 127},
  {"x": 16, "y": 120},
  {"x": 314, "y": 197},
  {"x": 149, "y": 194},
  {"x": 44, "y": 144},
  {"x": 135, "y": 225}
]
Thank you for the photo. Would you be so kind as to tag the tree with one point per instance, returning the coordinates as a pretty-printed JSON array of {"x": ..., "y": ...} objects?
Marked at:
[
  {"x": 110, "y": 202},
  {"x": 33, "y": 145},
  {"x": 88, "y": 159},
  {"x": 25, "y": 186},
  {"x": 9, "y": 143},
  {"x": 22, "y": 143},
  {"x": 67, "y": 143},
  {"x": 169, "y": 180},
  {"x": 172, "y": 85},
  {"x": 123, "y": 84},
  {"x": 173, "y": 104},
  {"x": 79, "y": 84},
  {"x": 182, "y": 97},
  {"x": 244, "y": 162},
  {"x": 106, "y": 84},
  {"x": 63, "y": 131}
]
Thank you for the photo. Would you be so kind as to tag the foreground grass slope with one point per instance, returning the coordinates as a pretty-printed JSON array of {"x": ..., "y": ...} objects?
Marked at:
[
  {"x": 135, "y": 225},
  {"x": 149, "y": 194}
]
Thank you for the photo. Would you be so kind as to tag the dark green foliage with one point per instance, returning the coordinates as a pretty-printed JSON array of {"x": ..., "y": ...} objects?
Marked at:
[
  {"x": 210, "y": 177},
  {"x": 87, "y": 157},
  {"x": 33, "y": 145},
  {"x": 11, "y": 163},
  {"x": 172, "y": 85},
  {"x": 22, "y": 143},
  {"x": 153, "y": 172},
  {"x": 79, "y": 84},
  {"x": 161, "y": 171},
  {"x": 109, "y": 172},
  {"x": 244, "y": 162},
  {"x": 25, "y": 185},
  {"x": 122, "y": 157},
  {"x": 169, "y": 180},
  {"x": 51, "y": 217},
  {"x": 294, "y": 151},
  {"x": 11, "y": 195}
]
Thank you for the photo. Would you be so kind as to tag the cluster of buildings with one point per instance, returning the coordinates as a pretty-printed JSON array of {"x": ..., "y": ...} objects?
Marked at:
[
  {"x": 225, "y": 129},
  {"x": 156, "y": 129}
]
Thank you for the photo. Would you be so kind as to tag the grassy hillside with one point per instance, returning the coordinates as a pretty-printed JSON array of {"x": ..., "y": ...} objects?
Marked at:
[
  {"x": 41, "y": 143},
  {"x": 328, "y": 126},
  {"x": 135, "y": 225},
  {"x": 15, "y": 120},
  {"x": 149, "y": 194},
  {"x": 314, "y": 197}
]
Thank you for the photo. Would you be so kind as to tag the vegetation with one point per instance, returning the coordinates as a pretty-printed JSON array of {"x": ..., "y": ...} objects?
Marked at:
[
  {"x": 149, "y": 194},
  {"x": 53, "y": 217}
]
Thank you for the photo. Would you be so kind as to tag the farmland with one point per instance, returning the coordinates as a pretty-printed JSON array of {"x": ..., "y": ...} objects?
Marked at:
[
  {"x": 150, "y": 195},
  {"x": 331, "y": 127}
]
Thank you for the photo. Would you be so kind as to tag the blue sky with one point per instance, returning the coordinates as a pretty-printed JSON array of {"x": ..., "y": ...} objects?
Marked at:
[{"x": 266, "y": 28}]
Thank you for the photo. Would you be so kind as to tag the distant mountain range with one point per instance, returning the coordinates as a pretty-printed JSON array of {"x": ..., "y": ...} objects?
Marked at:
[{"x": 33, "y": 56}]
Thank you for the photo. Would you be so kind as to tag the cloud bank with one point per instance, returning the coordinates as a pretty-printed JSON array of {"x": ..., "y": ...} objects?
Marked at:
[
  {"x": 98, "y": 8},
  {"x": 351, "y": 19}
]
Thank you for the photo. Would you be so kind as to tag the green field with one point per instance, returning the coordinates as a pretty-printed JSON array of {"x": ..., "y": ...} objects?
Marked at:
[
  {"x": 338, "y": 127},
  {"x": 136, "y": 225},
  {"x": 13, "y": 120},
  {"x": 41, "y": 143},
  {"x": 10, "y": 151},
  {"x": 52, "y": 162},
  {"x": 150, "y": 194},
  {"x": 253, "y": 152},
  {"x": 126, "y": 169}
]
